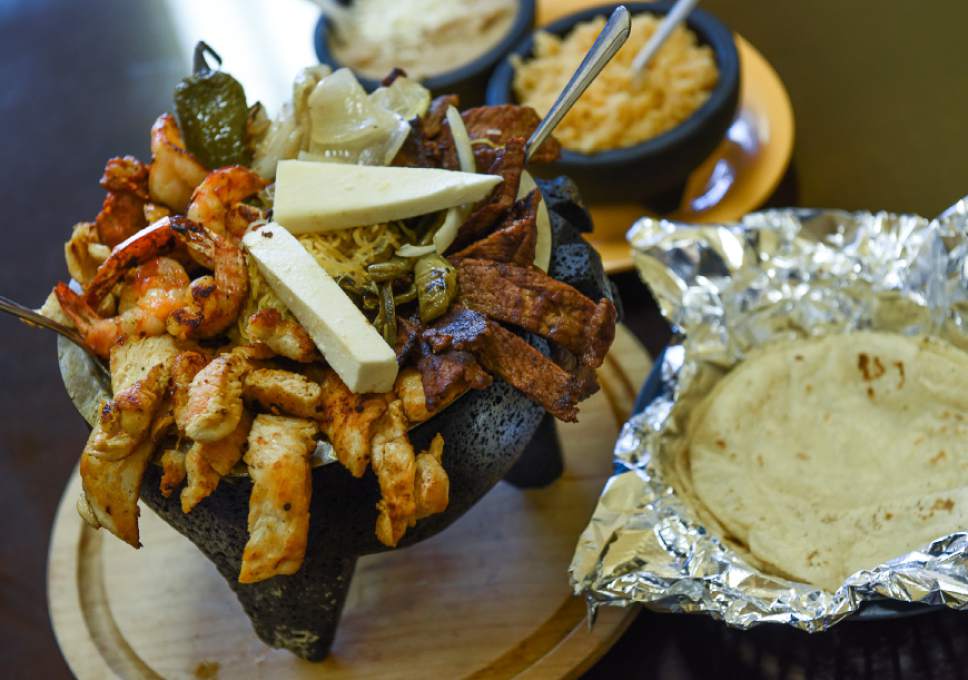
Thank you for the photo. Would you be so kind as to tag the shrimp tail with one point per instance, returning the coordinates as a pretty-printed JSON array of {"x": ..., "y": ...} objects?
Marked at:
[{"x": 99, "y": 334}]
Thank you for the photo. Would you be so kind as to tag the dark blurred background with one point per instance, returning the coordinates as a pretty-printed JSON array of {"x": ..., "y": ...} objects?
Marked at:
[{"x": 880, "y": 92}]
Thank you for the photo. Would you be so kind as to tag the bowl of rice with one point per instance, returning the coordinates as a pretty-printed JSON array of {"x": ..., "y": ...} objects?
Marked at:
[{"x": 620, "y": 141}]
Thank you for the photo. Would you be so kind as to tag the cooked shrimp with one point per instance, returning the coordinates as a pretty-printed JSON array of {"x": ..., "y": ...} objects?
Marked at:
[
  {"x": 126, "y": 173},
  {"x": 204, "y": 309},
  {"x": 144, "y": 246},
  {"x": 150, "y": 293},
  {"x": 122, "y": 214},
  {"x": 214, "y": 300},
  {"x": 283, "y": 335},
  {"x": 217, "y": 202},
  {"x": 156, "y": 289},
  {"x": 174, "y": 172},
  {"x": 395, "y": 467}
]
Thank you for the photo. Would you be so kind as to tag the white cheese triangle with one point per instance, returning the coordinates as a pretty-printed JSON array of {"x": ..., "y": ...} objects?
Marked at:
[
  {"x": 351, "y": 345},
  {"x": 313, "y": 197}
]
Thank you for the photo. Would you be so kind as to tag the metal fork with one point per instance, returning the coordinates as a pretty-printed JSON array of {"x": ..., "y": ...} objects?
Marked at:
[{"x": 32, "y": 318}]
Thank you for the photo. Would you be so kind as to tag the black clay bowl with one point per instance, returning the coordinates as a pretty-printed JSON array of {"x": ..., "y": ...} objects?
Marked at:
[
  {"x": 467, "y": 81},
  {"x": 487, "y": 435},
  {"x": 660, "y": 164}
]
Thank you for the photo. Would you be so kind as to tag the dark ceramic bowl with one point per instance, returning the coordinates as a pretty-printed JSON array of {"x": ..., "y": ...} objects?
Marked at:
[
  {"x": 492, "y": 434},
  {"x": 658, "y": 165},
  {"x": 468, "y": 81}
]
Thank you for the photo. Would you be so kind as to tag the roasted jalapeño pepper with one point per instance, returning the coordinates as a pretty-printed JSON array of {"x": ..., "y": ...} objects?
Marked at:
[{"x": 212, "y": 113}]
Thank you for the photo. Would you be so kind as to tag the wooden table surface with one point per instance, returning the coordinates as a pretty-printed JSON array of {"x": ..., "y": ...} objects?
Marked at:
[{"x": 880, "y": 91}]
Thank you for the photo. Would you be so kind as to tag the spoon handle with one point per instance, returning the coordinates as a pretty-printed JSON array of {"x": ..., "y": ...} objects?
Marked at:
[
  {"x": 675, "y": 17},
  {"x": 612, "y": 37},
  {"x": 32, "y": 318}
]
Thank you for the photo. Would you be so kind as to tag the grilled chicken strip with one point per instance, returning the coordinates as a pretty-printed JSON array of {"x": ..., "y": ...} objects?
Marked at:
[
  {"x": 282, "y": 334},
  {"x": 214, "y": 405},
  {"x": 395, "y": 467},
  {"x": 207, "y": 462},
  {"x": 432, "y": 486},
  {"x": 278, "y": 460},
  {"x": 117, "y": 453},
  {"x": 283, "y": 392},
  {"x": 173, "y": 466},
  {"x": 348, "y": 419}
]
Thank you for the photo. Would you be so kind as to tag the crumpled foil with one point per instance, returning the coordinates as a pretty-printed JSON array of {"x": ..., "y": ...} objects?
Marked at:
[{"x": 777, "y": 275}]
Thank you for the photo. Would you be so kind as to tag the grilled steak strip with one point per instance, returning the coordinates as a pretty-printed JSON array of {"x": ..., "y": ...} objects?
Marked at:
[
  {"x": 508, "y": 163},
  {"x": 515, "y": 238},
  {"x": 529, "y": 298},
  {"x": 499, "y": 124},
  {"x": 508, "y": 356}
]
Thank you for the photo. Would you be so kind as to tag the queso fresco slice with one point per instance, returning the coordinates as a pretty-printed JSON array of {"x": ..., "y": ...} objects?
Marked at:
[
  {"x": 351, "y": 345},
  {"x": 313, "y": 197}
]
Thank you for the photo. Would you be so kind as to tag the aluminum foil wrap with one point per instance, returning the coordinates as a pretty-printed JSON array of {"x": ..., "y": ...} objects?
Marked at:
[{"x": 777, "y": 275}]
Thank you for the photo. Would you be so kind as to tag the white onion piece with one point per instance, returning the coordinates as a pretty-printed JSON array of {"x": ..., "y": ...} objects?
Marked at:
[
  {"x": 410, "y": 250},
  {"x": 542, "y": 246},
  {"x": 448, "y": 230},
  {"x": 462, "y": 141}
]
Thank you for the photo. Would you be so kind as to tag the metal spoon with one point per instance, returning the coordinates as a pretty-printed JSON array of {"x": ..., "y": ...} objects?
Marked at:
[
  {"x": 675, "y": 17},
  {"x": 612, "y": 37},
  {"x": 32, "y": 318}
]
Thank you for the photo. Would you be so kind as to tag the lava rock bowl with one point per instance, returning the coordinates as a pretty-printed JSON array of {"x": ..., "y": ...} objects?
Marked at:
[
  {"x": 468, "y": 81},
  {"x": 659, "y": 165},
  {"x": 490, "y": 434}
]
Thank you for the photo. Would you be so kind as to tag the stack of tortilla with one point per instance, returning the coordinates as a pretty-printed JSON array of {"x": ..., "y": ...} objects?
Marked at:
[{"x": 821, "y": 457}]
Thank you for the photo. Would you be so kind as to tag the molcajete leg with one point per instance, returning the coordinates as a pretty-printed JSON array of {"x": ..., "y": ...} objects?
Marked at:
[
  {"x": 298, "y": 612},
  {"x": 541, "y": 462}
]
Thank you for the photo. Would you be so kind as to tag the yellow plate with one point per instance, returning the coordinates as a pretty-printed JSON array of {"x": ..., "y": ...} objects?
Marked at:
[{"x": 739, "y": 175}]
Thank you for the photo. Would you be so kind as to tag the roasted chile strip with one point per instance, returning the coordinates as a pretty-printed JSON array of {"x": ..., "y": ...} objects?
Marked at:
[
  {"x": 508, "y": 163},
  {"x": 515, "y": 238},
  {"x": 504, "y": 354},
  {"x": 529, "y": 298}
]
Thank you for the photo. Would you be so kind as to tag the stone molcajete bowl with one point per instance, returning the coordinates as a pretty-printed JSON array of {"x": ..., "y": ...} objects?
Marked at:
[{"x": 491, "y": 434}]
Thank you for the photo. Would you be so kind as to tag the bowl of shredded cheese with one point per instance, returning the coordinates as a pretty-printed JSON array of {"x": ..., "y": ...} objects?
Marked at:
[
  {"x": 625, "y": 140},
  {"x": 451, "y": 47}
]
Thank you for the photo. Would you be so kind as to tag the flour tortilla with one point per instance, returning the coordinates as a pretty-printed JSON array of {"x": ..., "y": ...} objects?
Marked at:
[{"x": 826, "y": 456}]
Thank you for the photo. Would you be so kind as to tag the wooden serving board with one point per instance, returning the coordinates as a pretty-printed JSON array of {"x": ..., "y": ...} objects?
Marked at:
[{"x": 487, "y": 598}]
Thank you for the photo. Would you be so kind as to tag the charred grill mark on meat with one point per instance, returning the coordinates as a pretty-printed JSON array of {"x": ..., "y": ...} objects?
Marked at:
[
  {"x": 530, "y": 299},
  {"x": 514, "y": 239}
]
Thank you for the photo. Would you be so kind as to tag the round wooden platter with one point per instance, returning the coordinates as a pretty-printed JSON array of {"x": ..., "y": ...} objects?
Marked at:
[{"x": 488, "y": 598}]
